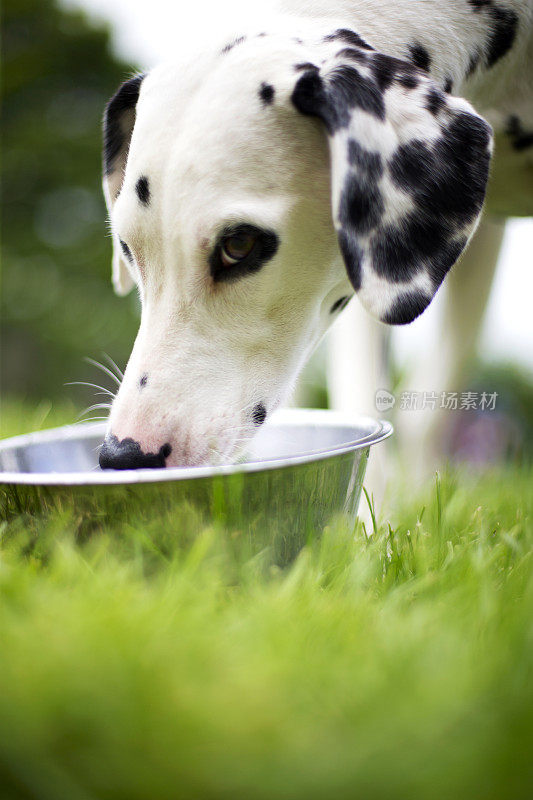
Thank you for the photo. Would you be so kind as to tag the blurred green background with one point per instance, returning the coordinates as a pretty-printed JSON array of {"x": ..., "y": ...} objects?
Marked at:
[{"x": 57, "y": 305}]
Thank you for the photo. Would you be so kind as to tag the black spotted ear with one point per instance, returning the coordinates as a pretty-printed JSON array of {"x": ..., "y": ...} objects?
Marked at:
[
  {"x": 409, "y": 168},
  {"x": 119, "y": 119}
]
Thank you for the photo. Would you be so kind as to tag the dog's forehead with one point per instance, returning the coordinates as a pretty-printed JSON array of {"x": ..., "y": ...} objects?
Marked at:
[
  {"x": 219, "y": 104},
  {"x": 219, "y": 132},
  {"x": 239, "y": 64}
]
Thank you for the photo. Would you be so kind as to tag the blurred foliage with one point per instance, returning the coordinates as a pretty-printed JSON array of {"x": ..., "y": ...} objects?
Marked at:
[
  {"x": 57, "y": 302},
  {"x": 504, "y": 433},
  {"x": 514, "y": 386}
]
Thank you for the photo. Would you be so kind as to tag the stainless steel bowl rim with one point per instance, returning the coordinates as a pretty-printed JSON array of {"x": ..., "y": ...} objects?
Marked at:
[{"x": 382, "y": 429}]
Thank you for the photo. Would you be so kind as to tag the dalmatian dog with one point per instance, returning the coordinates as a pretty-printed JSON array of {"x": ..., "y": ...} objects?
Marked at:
[{"x": 342, "y": 149}]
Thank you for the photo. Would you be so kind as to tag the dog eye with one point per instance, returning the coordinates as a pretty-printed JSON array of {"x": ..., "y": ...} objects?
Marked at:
[
  {"x": 241, "y": 250},
  {"x": 235, "y": 248}
]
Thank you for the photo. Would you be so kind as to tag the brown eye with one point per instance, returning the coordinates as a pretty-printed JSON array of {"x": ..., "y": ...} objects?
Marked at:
[
  {"x": 241, "y": 250},
  {"x": 236, "y": 247}
]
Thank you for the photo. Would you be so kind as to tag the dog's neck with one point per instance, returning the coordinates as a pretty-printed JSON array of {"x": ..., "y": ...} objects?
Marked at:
[{"x": 461, "y": 47}]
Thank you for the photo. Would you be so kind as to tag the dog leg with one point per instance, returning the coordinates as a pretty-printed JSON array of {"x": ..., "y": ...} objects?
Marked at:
[
  {"x": 357, "y": 355},
  {"x": 444, "y": 367}
]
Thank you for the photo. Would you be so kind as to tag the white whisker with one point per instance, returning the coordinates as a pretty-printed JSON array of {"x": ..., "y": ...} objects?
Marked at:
[
  {"x": 103, "y": 368},
  {"x": 114, "y": 365},
  {"x": 92, "y": 385},
  {"x": 94, "y": 407}
]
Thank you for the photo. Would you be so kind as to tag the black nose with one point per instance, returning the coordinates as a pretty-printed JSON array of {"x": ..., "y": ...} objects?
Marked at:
[{"x": 127, "y": 454}]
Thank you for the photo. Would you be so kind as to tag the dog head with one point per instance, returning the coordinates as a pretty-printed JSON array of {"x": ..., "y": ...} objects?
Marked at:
[{"x": 236, "y": 185}]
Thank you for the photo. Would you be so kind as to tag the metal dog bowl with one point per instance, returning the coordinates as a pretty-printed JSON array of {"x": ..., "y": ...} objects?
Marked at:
[{"x": 303, "y": 468}]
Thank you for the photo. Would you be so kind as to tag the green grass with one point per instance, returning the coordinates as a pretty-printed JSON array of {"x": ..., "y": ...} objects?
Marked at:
[
  {"x": 22, "y": 416},
  {"x": 397, "y": 665}
]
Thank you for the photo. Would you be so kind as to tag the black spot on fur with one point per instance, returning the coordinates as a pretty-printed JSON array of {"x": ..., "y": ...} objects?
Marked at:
[
  {"x": 143, "y": 380},
  {"x": 259, "y": 414},
  {"x": 463, "y": 158},
  {"x": 349, "y": 89},
  {"x": 143, "y": 190},
  {"x": 444, "y": 260},
  {"x": 126, "y": 250},
  {"x": 355, "y": 55},
  {"x": 309, "y": 96},
  {"x": 233, "y": 44},
  {"x": 361, "y": 204},
  {"x": 400, "y": 251},
  {"x": 408, "y": 82},
  {"x": 435, "y": 101},
  {"x": 368, "y": 162},
  {"x": 448, "y": 85},
  {"x": 503, "y": 24},
  {"x": 304, "y": 66},
  {"x": 266, "y": 93},
  {"x": 127, "y": 454},
  {"x": 333, "y": 100},
  {"x": 420, "y": 56},
  {"x": 384, "y": 70},
  {"x": 412, "y": 164},
  {"x": 348, "y": 36},
  {"x": 520, "y": 139},
  {"x": 447, "y": 181},
  {"x": 450, "y": 178},
  {"x": 407, "y": 307},
  {"x": 340, "y": 304},
  {"x": 502, "y": 36},
  {"x": 123, "y": 101},
  {"x": 352, "y": 255},
  {"x": 387, "y": 68}
]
